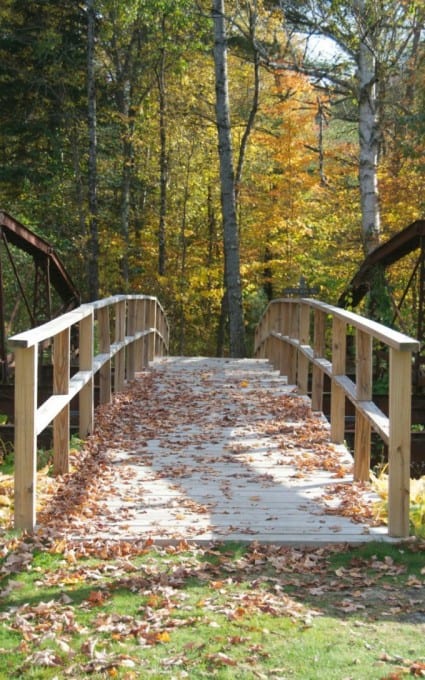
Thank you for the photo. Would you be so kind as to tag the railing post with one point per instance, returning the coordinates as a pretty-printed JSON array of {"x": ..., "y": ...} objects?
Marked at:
[
  {"x": 293, "y": 332},
  {"x": 273, "y": 343},
  {"x": 131, "y": 330},
  {"x": 119, "y": 364},
  {"x": 146, "y": 340},
  {"x": 86, "y": 396},
  {"x": 319, "y": 345},
  {"x": 399, "y": 443},
  {"x": 362, "y": 434},
  {"x": 266, "y": 330},
  {"x": 339, "y": 342},
  {"x": 140, "y": 327},
  {"x": 160, "y": 328},
  {"x": 151, "y": 324},
  {"x": 264, "y": 333},
  {"x": 105, "y": 383},
  {"x": 25, "y": 436},
  {"x": 304, "y": 338},
  {"x": 61, "y": 352}
]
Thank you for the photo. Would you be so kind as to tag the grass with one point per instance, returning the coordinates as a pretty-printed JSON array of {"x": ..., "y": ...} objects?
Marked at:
[{"x": 223, "y": 611}]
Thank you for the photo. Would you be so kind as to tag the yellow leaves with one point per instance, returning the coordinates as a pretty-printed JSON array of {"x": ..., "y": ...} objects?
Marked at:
[
  {"x": 163, "y": 636},
  {"x": 417, "y": 501}
]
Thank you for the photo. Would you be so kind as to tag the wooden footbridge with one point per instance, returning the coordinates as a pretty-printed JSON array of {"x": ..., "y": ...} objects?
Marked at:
[{"x": 221, "y": 449}]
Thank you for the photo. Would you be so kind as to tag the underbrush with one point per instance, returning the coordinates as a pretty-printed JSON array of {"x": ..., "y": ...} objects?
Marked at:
[{"x": 417, "y": 501}]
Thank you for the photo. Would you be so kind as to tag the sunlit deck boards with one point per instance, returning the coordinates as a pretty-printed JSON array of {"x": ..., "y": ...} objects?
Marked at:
[{"x": 220, "y": 449}]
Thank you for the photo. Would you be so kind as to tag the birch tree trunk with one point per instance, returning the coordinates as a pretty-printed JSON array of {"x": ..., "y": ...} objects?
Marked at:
[
  {"x": 368, "y": 139},
  {"x": 233, "y": 288}
]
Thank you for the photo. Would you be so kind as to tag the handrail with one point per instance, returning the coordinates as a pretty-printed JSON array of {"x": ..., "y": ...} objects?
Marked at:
[
  {"x": 294, "y": 335},
  {"x": 129, "y": 331}
]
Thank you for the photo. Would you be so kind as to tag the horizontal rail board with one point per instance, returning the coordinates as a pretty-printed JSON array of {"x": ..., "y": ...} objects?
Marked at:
[
  {"x": 306, "y": 350},
  {"x": 388, "y": 336},
  {"x": 324, "y": 364},
  {"x": 347, "y": 385},
  {"x": 379, "y": 421},
  {"x": 100, "y": 360},
  {"x": 48, "y": 330},
  {"x": 57, "y": 402}
]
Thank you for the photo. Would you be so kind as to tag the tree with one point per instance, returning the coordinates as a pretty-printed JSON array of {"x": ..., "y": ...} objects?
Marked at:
[
  {"x": 93, "y": 259},
  {"x": 227, "y": 183},
  {"x": 374, "y": 40}
]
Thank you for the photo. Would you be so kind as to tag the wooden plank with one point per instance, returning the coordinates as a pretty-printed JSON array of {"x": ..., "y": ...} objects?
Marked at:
[
  {"x": 362, "y": 439},
  {"x": 140, "y": 335},
  {"x": 386, "y": 335},
  {"x": 151, "y": 321},
  {"x": 50, "y": 408},
  {"x": 100, "y": 360},
  {"x": 118, "y": 348},
  {"x": 25, "y": 437},
  {"x": 50, "y": 329},
  {"x": 339, "y": 344},
  {"x": 399, "y": 443},
  {"x": 319, "y": 346},
  {"x": 362, "y": 434},
  {"x": 324, "y": 365},
  {"x": 348, "y": 386},
  {"x": 379, "y": 421},
  {"x": 304, "y": 337},
  {"x": 292, "y": 350},
  {"x": 369, "y": 409},
  {"x": 86, "y": 397},
  {"x": 61, "y": 361},
  {"x": 130, "y": 336},
  {"x": 105, "y": 383}
]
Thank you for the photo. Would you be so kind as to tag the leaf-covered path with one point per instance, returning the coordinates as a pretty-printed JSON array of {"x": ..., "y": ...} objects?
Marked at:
[{"x": 212, "y": 449}]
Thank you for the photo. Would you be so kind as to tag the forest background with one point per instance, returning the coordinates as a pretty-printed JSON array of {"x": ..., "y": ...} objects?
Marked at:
[{"x": 109, "y": 144}]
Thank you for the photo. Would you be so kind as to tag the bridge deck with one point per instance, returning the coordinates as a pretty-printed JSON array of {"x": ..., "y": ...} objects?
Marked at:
[{"x": 223, "y": 449}]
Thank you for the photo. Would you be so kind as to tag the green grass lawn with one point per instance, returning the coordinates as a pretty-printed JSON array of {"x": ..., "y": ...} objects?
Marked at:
[{"x": 223, "y": 611}]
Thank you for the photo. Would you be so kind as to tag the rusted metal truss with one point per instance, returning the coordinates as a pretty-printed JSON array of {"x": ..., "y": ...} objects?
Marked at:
[
  {"x": 409, "y": 240},
  {"x": 48, "y": 274}
]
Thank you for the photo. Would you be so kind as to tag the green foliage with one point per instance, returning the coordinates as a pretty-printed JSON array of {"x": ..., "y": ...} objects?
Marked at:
[{"x": 292, "y": 220}]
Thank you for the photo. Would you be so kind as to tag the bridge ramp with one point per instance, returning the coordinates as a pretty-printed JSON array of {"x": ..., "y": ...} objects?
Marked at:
[{"x": 224, "y": 449}]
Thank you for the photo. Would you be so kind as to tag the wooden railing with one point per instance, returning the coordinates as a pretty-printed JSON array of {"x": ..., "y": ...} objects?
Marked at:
[
  {"x": 128, "y": 331},
  {"x": 307, "y": 339}
]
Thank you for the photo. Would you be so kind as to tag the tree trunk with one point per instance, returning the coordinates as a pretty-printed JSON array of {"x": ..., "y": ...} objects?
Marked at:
[
  {"x": 369, "y": 145},
  {"x": 128, "y": 162},
  {"x": 93, "y": 257},
  {"x": 163, "y": 167},
  {"x": 254, "y": 105},
  {"x": 233, "y": 288}
]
